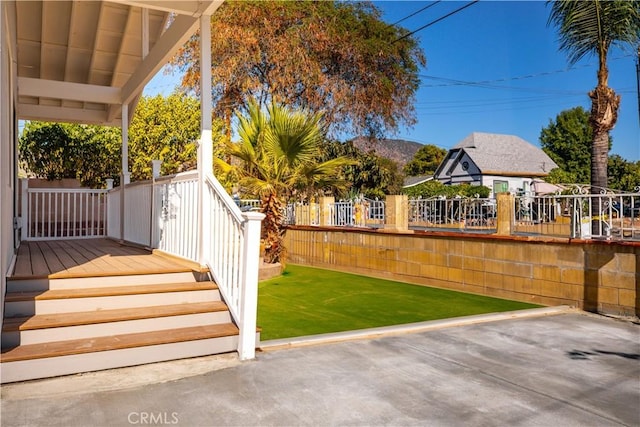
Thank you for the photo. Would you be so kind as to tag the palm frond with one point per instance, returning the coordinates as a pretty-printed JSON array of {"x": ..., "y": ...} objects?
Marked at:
[
  {"x": 591, "y": 26},
  {"x": 293, "y": 137}
]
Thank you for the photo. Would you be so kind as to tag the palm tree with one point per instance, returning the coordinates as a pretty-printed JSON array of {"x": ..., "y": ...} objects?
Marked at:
[
  {"x": 276, "y": 156},
  {"x": 591, "y": 27}
]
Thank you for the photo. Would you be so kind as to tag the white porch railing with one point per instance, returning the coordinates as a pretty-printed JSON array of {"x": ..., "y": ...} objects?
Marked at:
[
  {"x": 55, "y": 213},
  {"x": 232, "y": 253},
  {"x": 163, "y": 214},
  {"x": 160, "y": 214},
  {"x": 176, "y": 215}
]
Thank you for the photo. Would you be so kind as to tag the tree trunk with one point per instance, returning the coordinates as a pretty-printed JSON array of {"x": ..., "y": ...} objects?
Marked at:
[
  {"x": 272, "y": 230},
  {"x": 604, "y": 114},
  {"x": 599, "y": 159}
]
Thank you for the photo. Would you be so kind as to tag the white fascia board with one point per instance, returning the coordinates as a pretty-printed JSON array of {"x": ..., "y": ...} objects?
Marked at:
[
  {"x": 179, "y": 7},
  {"x": 68, "y": 91}
]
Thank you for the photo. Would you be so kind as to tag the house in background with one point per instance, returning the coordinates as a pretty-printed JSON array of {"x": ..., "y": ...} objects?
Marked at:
[{"x": 504, "y": 163}]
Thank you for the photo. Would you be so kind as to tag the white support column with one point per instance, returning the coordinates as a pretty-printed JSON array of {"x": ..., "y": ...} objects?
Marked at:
[
  {"x": 153, "y": 221},
  {"x": 124, "y": 176},
  {"x": 249, "y": 301},
  {"x": 205, "y": 147},
  {"x": 125, "y": 140},
  {"x": 24, "y": 213}
]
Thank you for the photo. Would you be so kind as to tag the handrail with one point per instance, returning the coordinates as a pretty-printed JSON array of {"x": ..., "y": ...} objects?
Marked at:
[
  {"x": 66, "y": 190},
  {"x": 228, "y": 201},
  {"x": 231, "y": 251}
]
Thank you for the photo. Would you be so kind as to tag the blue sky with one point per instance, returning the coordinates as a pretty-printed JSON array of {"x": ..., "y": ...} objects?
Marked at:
[{"x": 507, "y": 47}]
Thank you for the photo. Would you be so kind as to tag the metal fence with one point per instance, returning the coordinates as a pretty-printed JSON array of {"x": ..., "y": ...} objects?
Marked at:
[
  {"x": 580, "y": 214},
  {"x": 360, "y": 212},
  {"x": 247, "y": 204},
  {"x": 458, "y": 213}
]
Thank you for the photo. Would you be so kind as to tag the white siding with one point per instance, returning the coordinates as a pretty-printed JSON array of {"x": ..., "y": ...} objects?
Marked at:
[{"x": 7, "y": 142}]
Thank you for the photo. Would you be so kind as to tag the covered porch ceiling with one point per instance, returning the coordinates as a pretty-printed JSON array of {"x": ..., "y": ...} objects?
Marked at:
[{"x": 80, "y": 61}]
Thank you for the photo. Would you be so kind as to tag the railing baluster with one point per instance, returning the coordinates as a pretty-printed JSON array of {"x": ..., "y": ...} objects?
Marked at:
[{"x": 64, "y": 213}]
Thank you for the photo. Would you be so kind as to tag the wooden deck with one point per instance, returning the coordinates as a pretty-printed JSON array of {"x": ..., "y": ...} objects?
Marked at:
[{"x": 90, "y": 257}]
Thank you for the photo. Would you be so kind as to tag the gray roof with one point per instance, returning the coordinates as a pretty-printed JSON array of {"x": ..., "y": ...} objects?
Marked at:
[
  {"x": 410, "y": 181},
  {"x": 505, "y": 154}
]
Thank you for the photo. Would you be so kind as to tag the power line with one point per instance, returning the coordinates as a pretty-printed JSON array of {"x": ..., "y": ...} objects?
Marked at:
[
  {"x": 453, "y": 82},
  {"x": 415, "y": 13},
  {"x": 487, "y": 102},
  {"x": 506, "y": 79},
  {"x": 436, "y": 20}
]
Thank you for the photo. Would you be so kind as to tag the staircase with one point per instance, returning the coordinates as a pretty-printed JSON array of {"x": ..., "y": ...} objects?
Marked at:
[{"x": 62, "y": 326}]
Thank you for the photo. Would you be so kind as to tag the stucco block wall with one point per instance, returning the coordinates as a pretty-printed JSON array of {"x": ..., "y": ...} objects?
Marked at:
[{"x": 596, "y": 276}]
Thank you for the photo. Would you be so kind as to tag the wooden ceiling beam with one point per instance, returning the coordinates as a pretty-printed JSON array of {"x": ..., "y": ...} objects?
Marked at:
[
  {"x": 68, "y": 91},
  {"x": 60, "y": 114}
]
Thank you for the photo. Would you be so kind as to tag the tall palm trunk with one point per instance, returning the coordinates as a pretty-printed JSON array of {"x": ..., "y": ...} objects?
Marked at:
[
  {"x": 272, "y": 229},
  {"x": 604, "y": 115}
]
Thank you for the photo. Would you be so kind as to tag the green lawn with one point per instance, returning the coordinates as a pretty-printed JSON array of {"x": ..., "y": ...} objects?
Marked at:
[{"x": 308, "y": 301}]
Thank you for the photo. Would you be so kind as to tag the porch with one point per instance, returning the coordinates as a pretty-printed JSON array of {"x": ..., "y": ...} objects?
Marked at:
[
  {"x": 75, "y": 258},
  {"x": 89, "y": 304}
]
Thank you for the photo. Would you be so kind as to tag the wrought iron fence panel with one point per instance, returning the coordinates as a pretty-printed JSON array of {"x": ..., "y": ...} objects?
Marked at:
[
  {"x": 341, "y": 214},
  {"x": 459, "y": 213},
  {"x": 580, "y": 214}
]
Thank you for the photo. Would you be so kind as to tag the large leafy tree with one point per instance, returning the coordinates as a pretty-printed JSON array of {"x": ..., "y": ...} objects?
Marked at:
[
  {"x": 425, "y": 161},
  {"x": 587, "y": 27},
  {"x": 370, "y": 175},
  {"x": 167, "y": 129},
  {"x": 162, "y": 128},
  {"x": 275, "y": 159},
  {"x": 332, "y": 56},
  {"x": 624, "y": 175},
  {"x": 567, "y": 140},
  {"x": 63, "y": 150}
]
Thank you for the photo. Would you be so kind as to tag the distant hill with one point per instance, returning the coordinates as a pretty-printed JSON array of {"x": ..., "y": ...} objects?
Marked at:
[{"x": 399, "y": 150}]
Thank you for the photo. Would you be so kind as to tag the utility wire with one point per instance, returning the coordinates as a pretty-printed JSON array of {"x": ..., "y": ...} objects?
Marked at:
[
  {"x": 506, "y": 79},
  {"x": 436, "y": 21},
  {"x": 415, "y": 13}
]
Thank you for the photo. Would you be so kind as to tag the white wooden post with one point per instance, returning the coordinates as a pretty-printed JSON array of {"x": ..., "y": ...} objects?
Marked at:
[
  {"x": 249, "y": 301},
  {"x": 155, "y": 173},
  {"x": 205, "y": 147},
  {"x": 25, "y": 214},
  {"x": 155, "y": 168},
  {"x": 124, "y": 176}
]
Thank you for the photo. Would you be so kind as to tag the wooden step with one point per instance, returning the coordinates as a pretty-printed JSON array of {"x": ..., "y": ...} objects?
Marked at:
[
  {"x": 47, "y": 321},
  {"x": 108, "y": 291},
  {"x": 118, "y": 342},
  {"x": 30, "y": 283}
]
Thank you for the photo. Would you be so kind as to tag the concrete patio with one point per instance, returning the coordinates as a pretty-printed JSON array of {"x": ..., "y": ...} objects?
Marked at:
[{"x": 569, "y": 368}]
